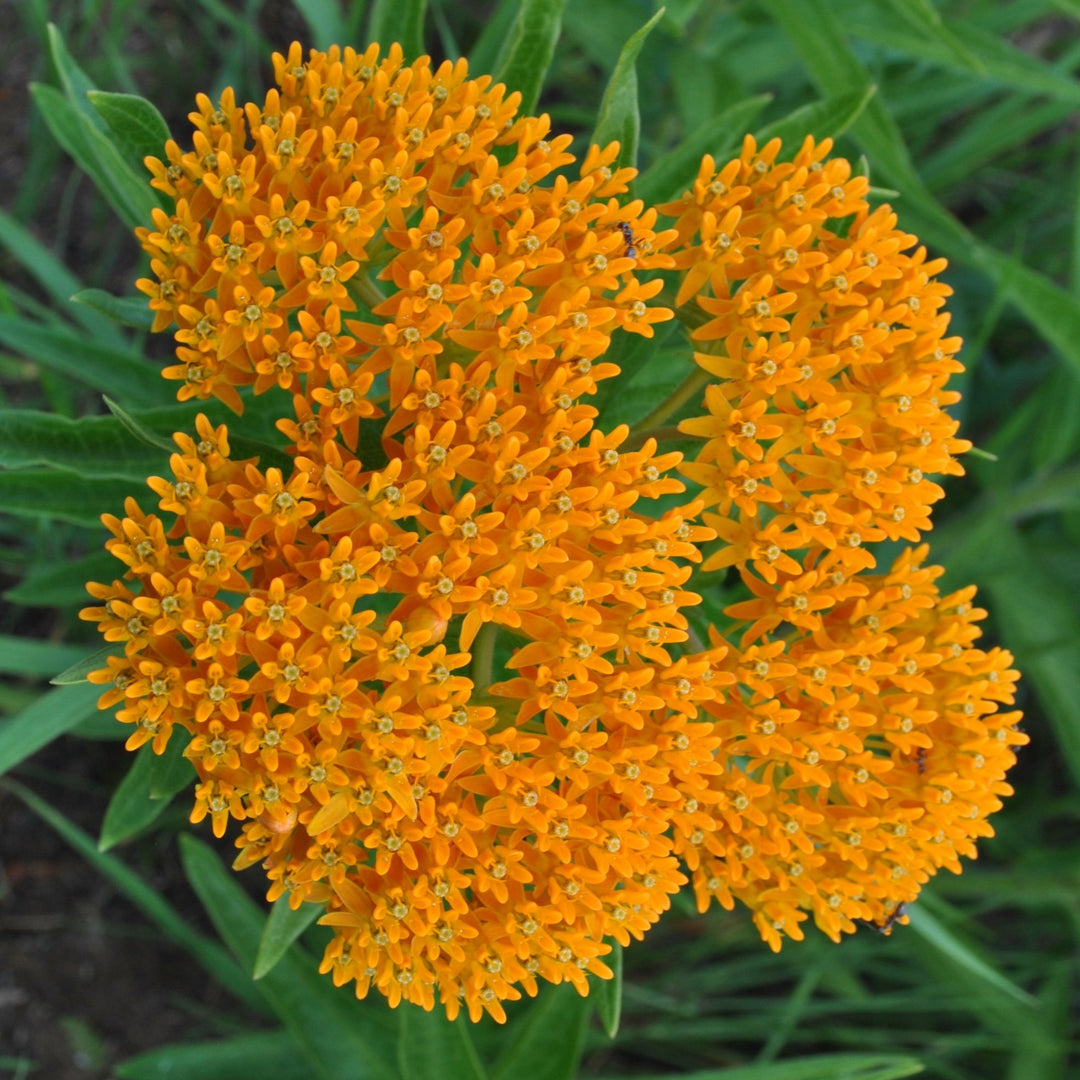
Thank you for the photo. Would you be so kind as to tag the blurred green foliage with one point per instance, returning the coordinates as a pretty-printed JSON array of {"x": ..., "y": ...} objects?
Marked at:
[{"x": 963, "y": 113}]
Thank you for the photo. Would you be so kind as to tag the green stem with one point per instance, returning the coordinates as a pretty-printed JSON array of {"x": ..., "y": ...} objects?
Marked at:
[
  {"x": 367, "y": 290},
  {"x": 691, "y": 387},
  {"x": 483, "y": 656}
]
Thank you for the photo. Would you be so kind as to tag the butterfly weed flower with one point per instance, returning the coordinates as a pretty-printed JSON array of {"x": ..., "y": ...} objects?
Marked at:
[
  {"x": 863, "y": 745},
  {"x": 432, "y": 667}
]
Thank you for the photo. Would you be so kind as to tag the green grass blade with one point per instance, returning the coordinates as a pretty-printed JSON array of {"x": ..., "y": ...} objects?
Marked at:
[
  {"x": 669, "y": 176},
  {"x": 938, "y": 935},
  {"x": 124, "y": 375},
  {"x": 272, "y": 1054},
  {"x": 927, "y": 19},
  {"x": 138, "y": 130},
  {"x": 829, "y": 118},
  {"x": 619, "y": 117},
  {"x": 821, "y": 1067},
  {"x": 93, "y": 446},
  {"x": 342, "y": 1038},
  {"x": 283, "y": 926},
  {"x": 49, "y": 717},
  {"x": 32, "y": 658},
  {"x": 324, "y": 21},
  {"x": 55, "y": 278},
  {"x": 95, "y": 153},
  {"x": 431, "y": 1046},
  {"x": 41, "y": 493},
  {"x": 206, "y": 952},
  {"x": 401, "y": 21},
  {"x": 548, "y": 1040},
  {"x": 608, "y": 993},
  {"x": 524, "y": 62}
]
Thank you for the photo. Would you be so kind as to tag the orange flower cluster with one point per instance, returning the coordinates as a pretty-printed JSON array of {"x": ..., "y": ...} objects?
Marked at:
[
  {"x": 326, "y": 634},
  {"x": 863, "y": 746}
]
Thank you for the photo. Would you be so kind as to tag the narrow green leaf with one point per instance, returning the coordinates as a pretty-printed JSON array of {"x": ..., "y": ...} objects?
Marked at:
[
  {"x": 138, "y": 429},
  {"x": 401, "y": 21},
  {"x": 829, "y": 118},
  {"x": 204, "y": 951},
  {"x": 94, "y": 152},
  {"x": 49, "y": 717},
  {"x": 525, "y": 58},
  {"x": 608, "y": 993},
  {"x": 40, "y": 493},
  {"x": 122, "y": 374},
  {"x": 324, "y": 21},
  {"x": 547, "y": 1041},
  {"x": 927, "y": 19},
  {"x": 93, "y": 446},
  {"x": 172, "y": 771},
  {"x": 35, "y": 659},
  {"x": 820, "y": 1067},
  {"x": 55, "y": 278},
  {"x": 495, "y": 36},
  {"x": 431, "y": 1046},
  {"x": 75, "y": 82},
  {"x": 669, "y": 176},
  {"x": 131, "y": 810},
  {"x": 127, "y": 310},
  {"x": 619, "y": 117},
  {"x": 343, "y": 1039},
  {"x": 271, "y": 1054},
  {"x": 283, "y": 927},
  {"x": 77, "y": 672},
  {"x": 937, "y": 934},
  {"x": 64, "y": 583},
  {"x": 136, "y": 126}
]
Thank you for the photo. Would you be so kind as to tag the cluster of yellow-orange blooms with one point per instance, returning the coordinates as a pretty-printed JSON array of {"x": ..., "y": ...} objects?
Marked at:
[{"x": 443, "y": 673}]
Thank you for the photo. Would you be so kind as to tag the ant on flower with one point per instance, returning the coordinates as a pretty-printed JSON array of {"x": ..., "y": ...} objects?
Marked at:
[{"x": 628, "y": 237}]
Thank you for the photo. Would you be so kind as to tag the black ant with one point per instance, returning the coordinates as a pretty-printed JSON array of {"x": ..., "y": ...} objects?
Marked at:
[
  {"x": 628, "y": 238},
  {"x": 920, "y": 760}
]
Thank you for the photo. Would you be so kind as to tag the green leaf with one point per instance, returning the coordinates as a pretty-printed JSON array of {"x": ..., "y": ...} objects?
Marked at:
[
  {"x": 75, "y": 82},
  {"x": 78, "y": 671},
  {"x": 926, "y": 18},
  {"x": 829, "y": 118},
  {"x": 820, "y": 1067},
  {"x": 32, "y": 658},
  {"x": 343, "y": 1039},
  {"x": 619, "y": 118},
  {"x": 40, "y": 493},
  {"x": 49, "y": 717},
  {"x": 124, "y": 375},
  {"x": 608, "y": 993},
  {"x": 272, "y": 1054},
  {"x": 55, "y": 278},
  {"x": 669, "y": 176},
  {"x": 931, "y": 930},
  {"x": 283, "y": 926},
  {"x": 495, "y": 36},
  {"x": 138, "y": 429},
  {"x": 431, "y": 1046},
  {"x": 137, "y": 128},
  {"x": 94, "y": 152},
  {"x": 525, "y": 58},
  {"x": 131, "y": 809},
  {"x": 401, "y": 21},
  {"x": 204, "y": 951},
  {"x": 127, "y": 310},
  {"x": 58, "y": 585},
  {"x": 93, "y": 446},
  {"x": 171, "y": 772},
  {"x": 548, "y": 1039},
  {"x": 324, "y": 21}
]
